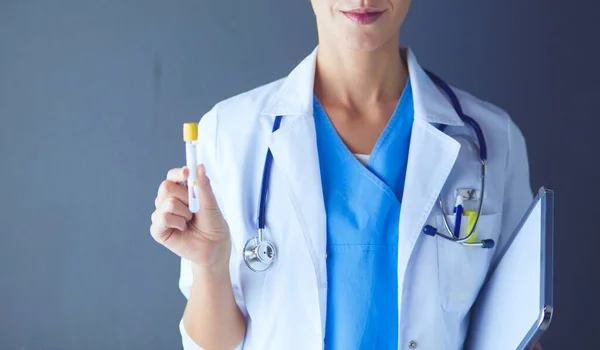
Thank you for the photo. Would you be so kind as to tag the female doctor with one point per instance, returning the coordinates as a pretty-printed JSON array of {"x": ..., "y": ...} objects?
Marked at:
[{"x": 329, "y": 198}]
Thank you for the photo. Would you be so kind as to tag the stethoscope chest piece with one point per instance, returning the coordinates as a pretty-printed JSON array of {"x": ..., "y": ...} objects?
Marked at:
[{"x": 259, "y": 255}]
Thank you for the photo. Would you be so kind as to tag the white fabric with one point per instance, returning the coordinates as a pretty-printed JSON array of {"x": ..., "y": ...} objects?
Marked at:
[
  {"x": 285, "y": 307},
  {"x": 363, "y": 158}
]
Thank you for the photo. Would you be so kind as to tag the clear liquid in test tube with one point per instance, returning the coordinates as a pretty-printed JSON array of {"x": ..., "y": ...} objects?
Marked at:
[{"x": 190, "y": 137}]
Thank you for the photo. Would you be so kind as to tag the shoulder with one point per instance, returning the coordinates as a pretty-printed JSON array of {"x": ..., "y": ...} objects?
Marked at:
[
  {"x": 508, "y": 159},
  {"x": 229, "y": 132},
  {"x": 246, "y": 106},
  {"x": 484, "y": 112},
  {"x": 507, "y": 174},
  {"x": 235, "y": 115},
  {"x": 497, "y": 124}
]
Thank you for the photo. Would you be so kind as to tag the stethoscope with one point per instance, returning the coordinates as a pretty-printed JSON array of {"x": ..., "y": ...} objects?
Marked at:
[{"x": 259, "y": 253}]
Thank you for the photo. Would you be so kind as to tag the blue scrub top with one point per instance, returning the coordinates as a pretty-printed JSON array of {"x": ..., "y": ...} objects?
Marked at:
[{"x": 362, "y": 205}]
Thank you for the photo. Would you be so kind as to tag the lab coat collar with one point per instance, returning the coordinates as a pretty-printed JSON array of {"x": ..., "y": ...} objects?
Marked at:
[{"x": 295, "y": 95}]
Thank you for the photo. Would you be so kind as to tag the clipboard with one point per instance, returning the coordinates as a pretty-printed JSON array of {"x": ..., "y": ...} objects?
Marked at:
[{"x": 515, "y": 305}]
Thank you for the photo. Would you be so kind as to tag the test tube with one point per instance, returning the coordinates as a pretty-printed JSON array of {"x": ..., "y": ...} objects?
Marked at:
[{"x": 190, "y": 137}]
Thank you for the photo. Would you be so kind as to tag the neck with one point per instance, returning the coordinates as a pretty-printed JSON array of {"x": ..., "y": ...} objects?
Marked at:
[{"x": 359, "y": 78}]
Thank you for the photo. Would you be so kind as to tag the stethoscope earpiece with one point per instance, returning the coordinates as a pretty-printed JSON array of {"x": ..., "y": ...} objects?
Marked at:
[
  {"x": 488, "y": 243},
  {"x": 430, "y": 230}
]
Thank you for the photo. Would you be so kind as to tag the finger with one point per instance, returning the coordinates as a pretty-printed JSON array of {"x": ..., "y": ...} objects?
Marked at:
[
  {"x": 178, "y": 174},
  {"x": 206, "y": 195},
  {"x": 165, "y": 222},
  {"x": 170, "y": 189},
  {"x": 176, "y": 207}
]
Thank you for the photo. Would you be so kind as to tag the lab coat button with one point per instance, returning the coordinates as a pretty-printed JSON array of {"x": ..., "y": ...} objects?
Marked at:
[{"x": 412, "y": 344}]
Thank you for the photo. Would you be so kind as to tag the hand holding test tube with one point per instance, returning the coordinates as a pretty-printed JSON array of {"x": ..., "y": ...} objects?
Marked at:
[
  {"x": 190, "y": 136},
  {"x": 191, "y": 226}
]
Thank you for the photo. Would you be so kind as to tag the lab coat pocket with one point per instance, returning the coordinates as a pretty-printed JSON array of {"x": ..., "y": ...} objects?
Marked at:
[{"x": 462, "y": 269}]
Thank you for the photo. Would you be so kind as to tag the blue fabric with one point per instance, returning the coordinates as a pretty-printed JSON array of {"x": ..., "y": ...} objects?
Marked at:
[{"x": 363, "y": 207}]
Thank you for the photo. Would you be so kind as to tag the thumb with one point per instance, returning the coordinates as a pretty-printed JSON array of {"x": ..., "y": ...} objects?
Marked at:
[
  {"x": 208, "y": 202},
  {"x": 208, "y": 219}
]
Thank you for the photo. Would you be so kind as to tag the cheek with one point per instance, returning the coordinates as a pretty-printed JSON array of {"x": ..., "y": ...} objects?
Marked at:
[
  {"x": 328, "y": 16},
  {"x": 399, "y": 4},
  {"x": 323, "y": 7},
  {"x": 323, "y": 11},
  {"x": 400, "y": 9}
]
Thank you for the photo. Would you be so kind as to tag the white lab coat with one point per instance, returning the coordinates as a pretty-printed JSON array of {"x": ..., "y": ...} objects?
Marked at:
[{"x": 438, "y": 281}]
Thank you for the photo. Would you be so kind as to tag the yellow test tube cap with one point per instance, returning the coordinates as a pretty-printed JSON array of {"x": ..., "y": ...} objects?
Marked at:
[{"x": 190, "y": 132}]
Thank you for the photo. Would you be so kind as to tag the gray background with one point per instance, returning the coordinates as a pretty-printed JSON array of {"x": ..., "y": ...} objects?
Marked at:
[{"x": 93, "y": 95}]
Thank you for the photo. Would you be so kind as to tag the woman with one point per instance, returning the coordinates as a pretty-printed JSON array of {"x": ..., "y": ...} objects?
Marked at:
[{"x": 358, "y": 162}]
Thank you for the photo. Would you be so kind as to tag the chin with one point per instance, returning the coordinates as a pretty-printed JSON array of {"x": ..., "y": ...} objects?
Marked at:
[
  {"x": 364, "y": 40},
  {"x": 362, "y": 44}
]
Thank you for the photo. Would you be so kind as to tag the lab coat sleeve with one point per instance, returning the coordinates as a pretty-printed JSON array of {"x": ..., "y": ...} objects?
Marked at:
[
  {"x": 207, "y": 151},
  {"x": 517, "y": 188}
]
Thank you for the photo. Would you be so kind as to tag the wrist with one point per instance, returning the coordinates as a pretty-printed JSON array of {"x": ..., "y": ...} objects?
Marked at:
[{"x": 216, "y": 272}]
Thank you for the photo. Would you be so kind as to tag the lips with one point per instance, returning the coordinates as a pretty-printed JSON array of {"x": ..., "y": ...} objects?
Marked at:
[{"x": 363, "y": 16}]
